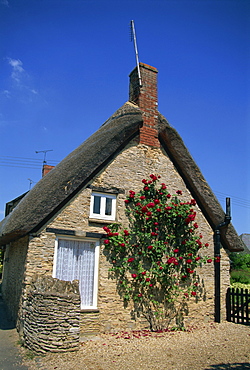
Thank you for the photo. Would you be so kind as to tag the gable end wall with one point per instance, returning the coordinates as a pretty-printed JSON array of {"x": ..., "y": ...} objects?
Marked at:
[{"x": 125, "y": 172}]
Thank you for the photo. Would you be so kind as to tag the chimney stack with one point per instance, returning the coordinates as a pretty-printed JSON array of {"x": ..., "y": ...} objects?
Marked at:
[
  {"x": 46, "y": 169},
  {"x": 146, "y": 98}
]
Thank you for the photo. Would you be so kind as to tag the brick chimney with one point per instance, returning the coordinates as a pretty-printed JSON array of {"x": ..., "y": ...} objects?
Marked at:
[
  {"x": 46, "y": 169},
  {"x": 146, "y": 98}
]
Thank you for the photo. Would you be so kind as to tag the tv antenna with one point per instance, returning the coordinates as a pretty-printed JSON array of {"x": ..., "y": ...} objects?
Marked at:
[
  {"x": 45, "y": 152},
  {"x": 31, "y": 182},
  {"x": 133, "y": 37}
]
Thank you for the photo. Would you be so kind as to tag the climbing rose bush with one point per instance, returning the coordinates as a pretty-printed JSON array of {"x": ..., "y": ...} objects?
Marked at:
[{"x": 155, "y": 260}]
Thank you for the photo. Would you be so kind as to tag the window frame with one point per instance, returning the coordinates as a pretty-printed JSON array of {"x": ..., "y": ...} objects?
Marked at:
[
  {"x": 101, "y": 215},
  {"x": 96, "y": 266}
]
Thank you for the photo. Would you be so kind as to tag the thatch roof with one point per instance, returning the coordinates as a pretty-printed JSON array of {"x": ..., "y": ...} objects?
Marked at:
[{"x": 77, "y": 170}]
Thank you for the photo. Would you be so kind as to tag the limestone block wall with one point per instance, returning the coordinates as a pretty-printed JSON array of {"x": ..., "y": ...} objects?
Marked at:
[
  {"x": 13, "y": 275},
  {"x": 124, "y": 173},
  {"x": 51, "y": 316}
]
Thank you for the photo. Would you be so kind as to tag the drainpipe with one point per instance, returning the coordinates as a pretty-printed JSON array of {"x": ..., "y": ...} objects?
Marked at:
[{"x": 217, "y": 257}]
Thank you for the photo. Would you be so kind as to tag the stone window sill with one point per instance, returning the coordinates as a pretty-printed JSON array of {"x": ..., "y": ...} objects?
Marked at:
[{"x": 100, "y": 221}]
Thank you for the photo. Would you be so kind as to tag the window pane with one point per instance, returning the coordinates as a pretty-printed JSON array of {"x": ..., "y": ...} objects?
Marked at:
[
  {"x": 76, "y": 260},
  {"x": 97, "y": 204},
  {"x": 108, "y": 208}
]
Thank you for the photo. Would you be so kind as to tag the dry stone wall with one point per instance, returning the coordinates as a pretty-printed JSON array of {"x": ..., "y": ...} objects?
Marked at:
[{"x": 51, "y": 316}]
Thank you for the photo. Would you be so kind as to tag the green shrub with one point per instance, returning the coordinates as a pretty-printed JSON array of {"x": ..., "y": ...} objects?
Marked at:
[
  {"x": 240, "y": 261},
  {"x": 240, "y": 276}
]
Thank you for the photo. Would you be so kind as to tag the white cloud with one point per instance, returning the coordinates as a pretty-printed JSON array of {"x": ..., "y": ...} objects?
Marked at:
[
  {"x": 22, "y": 82},
  {"x": 6, "y": 93},
  {"x": 17, "y": 69}
]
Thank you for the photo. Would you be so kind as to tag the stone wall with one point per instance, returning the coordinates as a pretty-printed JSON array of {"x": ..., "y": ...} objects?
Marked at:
[
  {"x": 13, "y": 275},
  {"x": 125, "y": 172},
  {"x": 51, "y": 316}
]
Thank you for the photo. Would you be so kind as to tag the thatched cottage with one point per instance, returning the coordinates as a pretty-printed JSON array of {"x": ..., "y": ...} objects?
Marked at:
[{"x": 53, "y": 236}]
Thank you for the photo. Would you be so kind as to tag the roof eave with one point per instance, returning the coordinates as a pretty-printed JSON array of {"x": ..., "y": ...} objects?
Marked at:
[{"x": 196, "y": 183}]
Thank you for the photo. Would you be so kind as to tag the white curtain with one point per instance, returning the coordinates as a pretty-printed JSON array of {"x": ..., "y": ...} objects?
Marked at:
[{"x": 76, "y": 260}]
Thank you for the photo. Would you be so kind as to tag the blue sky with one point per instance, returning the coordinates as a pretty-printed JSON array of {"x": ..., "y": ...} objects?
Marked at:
[{"x": 64, "y": 70}]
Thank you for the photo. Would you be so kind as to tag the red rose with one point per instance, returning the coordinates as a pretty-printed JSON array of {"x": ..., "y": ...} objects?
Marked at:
[
  {"x": 105, "y": 228},
  {"x": 179, "y": 192},
  {"x": 150, "y": 205},
  {"x": 197, "y": 258},
  {"x": 189, "y": 261},
  {"x": 209, "y": 260},
  {"x": 196, "y": 225},
  {"x": 147, "y": 279},
  {"x": 142, "y": 197},
  {"x": 133, "y": 276},
  {"x": 126, "y": 232},
  {"x": 122, "y": 244},
  {"x": 106, "y": 241},
  {"x": 176, "y": 250},
  {"x": 126, "y": 201},
  {"x": 168, "y": 208},
  {"x": 168, "y": 195},
  {"x": 153, "y": 177},
  {"x": 193, "y": 293},
  {"x": 139, "y": 295},
  {"x": 143, "y": 273},
  {"x": 150, "y": 247},
  {"x": 131, "y": 259}
]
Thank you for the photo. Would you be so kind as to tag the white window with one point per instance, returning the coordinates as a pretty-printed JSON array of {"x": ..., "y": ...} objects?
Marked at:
[
  {"x": 103, "y": 206},
  {"x": 78, "y": 259}
]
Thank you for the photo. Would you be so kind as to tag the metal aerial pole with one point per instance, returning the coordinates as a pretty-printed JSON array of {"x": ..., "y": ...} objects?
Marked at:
[{"x": 133, "y": 36}]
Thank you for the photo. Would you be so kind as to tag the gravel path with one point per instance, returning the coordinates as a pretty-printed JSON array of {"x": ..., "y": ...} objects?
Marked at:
[{"x": 211, "y": 346}]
